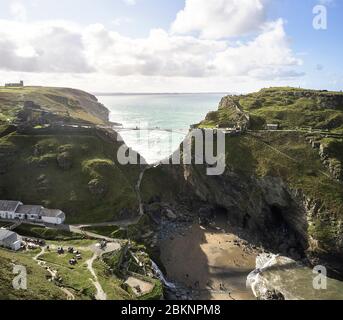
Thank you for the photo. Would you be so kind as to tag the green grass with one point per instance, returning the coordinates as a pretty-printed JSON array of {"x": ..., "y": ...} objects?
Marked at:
[
  {"x": 110, "y": 284},
  {"x": 291, "y": 108},
  {"x": 109, "y": 269},
  {"x": 256, "y": 155},
  {"x": 38, "y": 288},
  {"x": 76, "y": 278},
  {"x": 333, "y": 148},
  {"x": 62, "y": 102},
  {"x": 34, "y": 177},
  {"x": 296, "y": 108},
  {"x": 108, "y": 231},
  {"x": 27, "y": 230}
]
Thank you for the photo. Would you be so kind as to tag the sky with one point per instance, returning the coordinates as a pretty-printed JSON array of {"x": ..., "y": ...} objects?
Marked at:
[{"x": 172, "y": 46}]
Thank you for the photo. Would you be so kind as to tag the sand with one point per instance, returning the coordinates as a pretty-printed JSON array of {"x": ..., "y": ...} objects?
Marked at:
[
  {"x": 213, "y": 263},
  {"x": 145, "y": 287}
]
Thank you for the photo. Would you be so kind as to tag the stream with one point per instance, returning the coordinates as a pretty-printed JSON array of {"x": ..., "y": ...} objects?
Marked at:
[
  {"x": 159, "y": 274},
  {"x": 138, "y": 190}
]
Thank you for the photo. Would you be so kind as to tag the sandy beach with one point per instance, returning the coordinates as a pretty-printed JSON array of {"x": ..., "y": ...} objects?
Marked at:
[{"x": 211, "y": 262}]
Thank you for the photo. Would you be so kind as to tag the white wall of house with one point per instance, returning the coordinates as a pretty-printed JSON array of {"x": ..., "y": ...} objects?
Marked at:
[
  {"x": 13, "y": 246},
  {"x": 52, "y": 220},
  {"x": 16, "y": 245},
  {"x": 34, "y": 217},
  {"x": 7, "y": 214}
]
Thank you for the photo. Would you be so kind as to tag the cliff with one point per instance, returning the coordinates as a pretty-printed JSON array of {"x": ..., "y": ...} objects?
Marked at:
[
  {"x": 278, "y": 186},
  {"x": 43, "y": 105},
  {"x": 55, "y": 152}
]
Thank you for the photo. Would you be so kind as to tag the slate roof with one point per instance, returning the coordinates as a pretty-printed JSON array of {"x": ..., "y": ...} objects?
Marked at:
[
  {"x": 54, "y": 213},
  {"x": 27, "y": 209},
  {"x": 6, "y": 205},
  {"x": 8, "y": 237}
]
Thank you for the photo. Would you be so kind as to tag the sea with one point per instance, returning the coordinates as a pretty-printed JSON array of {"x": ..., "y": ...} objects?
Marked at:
[{"x": 154, "y": 125}]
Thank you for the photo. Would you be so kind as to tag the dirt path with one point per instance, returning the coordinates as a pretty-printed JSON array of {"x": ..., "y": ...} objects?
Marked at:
[
  {"x": 212, "y": 264},
  {"x": 53, "y": 273},
  {"x": 138, "y": 190},
  {"x": 113, "y": 246},
  {"x": 120, "y": 223},
  {"x": 100, "y": 295}
]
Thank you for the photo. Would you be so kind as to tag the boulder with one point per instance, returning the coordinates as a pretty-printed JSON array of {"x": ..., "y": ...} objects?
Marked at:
[
  {"x": 272, "y": 295},
  {"x": 170, "y": 214},
  {"x": 97, "y": 187},
  {"x": 64, "y": 160},
  {"x": 154, "y": 208}
]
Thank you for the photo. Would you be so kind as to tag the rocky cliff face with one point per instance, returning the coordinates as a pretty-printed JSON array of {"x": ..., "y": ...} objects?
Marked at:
[
  {"x": 42, "y": 105},
  {"x": 230, "y": 114},
  {"x": 265, "y": 207},
  {"x": 275, "y": 186}
]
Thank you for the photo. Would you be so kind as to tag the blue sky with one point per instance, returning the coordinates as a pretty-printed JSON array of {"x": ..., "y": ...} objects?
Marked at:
[{"x": 163, "y": 45}]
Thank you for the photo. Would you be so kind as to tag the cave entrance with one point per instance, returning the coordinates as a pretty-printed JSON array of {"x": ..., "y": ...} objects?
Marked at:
[
  {"x": 277, "y": 216},
  {"x": 221, "y": 216}
]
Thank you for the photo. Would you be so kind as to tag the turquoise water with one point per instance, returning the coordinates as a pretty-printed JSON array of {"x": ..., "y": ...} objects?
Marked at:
[{"x": 174, "y": 112}]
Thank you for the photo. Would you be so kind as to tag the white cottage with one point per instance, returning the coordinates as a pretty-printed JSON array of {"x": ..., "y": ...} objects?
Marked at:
[
  {"x": 53, "y": 216},
  {"x": 10, "y": 240},
  {"x": 34, "y": 213},
  {"x": 8, "y": 209},
  {"x": 25, "y": 212}
]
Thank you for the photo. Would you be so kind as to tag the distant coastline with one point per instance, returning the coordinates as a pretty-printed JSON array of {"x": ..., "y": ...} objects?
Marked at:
[{"x": 103, "y": 94}]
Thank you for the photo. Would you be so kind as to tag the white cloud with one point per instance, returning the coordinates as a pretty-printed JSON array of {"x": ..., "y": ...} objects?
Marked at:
[
  {"x": 121, "y": 20},
  {"x": 267, "y": 56},
  {"x": 61, "y": 50},
  {"x": 53, "y": 46},
  {"x": 18, "y": 10},
  {"x": 57, "y": 46},
  {"x": 160, "y": 54},
  {"x": 217, "y": 19},
  {"x": 130, "y": 2}
]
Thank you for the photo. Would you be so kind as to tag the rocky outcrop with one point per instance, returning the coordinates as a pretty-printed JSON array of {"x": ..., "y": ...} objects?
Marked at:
[
  {"x": 333, "y": 164},
  {"x": 324, "y": 232},
  {"x": 97, "y": 187},
  {"x": 264, "y": 207},
  {"x": 65, "y": 160},
  {"x": 230, "y": 114},
  {"x": 238, "y": 116},
  {"x": 79, "y": 99}
]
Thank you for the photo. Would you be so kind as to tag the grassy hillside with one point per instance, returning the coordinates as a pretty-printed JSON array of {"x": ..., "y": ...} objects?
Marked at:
[
  {"x": 71, "y": 168},
  {"x": 305, "y": 117},
  {"x": 75, "y": 281},
  {"x": 38, "y": 288},
  {"x": 291, "y": 108},
  {"x": 76, "y": 173},
  {"x": 59, "y": 103},
  {"x": 288, "y": 156}
]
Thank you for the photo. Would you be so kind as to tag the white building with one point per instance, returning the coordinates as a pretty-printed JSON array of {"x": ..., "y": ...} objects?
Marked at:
[
  {"x": 273, "y": 126},
  {"x": 8, "y": 209},
  {"x": 34, "y": 213},
  {"x": 53, "y": 216},
  {"x": 10, "y": 240}
]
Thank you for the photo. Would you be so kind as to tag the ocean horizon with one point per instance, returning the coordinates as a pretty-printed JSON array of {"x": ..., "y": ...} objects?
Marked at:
[{"x": 163, "y": 111}]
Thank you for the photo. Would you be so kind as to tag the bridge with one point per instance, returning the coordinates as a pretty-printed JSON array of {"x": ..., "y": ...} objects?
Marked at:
[{"x": 178, "y": 131}]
